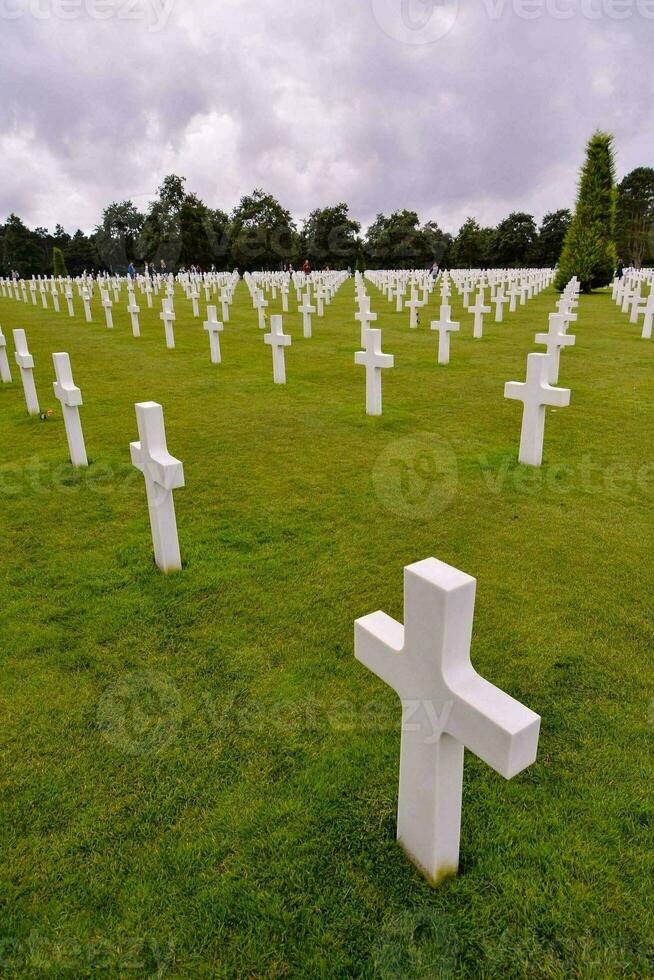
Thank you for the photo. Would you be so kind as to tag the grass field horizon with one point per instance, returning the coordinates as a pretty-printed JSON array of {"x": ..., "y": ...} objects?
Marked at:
[{"x": 199, "y": 779}]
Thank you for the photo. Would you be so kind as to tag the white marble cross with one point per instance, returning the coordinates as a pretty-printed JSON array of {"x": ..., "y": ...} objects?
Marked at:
[
  {"x": 320, "y": 300},
  {"x": 648, "y": 310},
  {"x": 413, "y": 305},
  {"x": 163, "y": 474},
  {"x": 55, "y": 297},
  {"x": 25, "y": 362},
  {"x": 71, "y": 398},
  {"x": 536, "y": 393},
  {"x": 445, "y": 327},
  {"x": 278, "y": 340},
  {"x": 374, "y": 362},
  {"x": 107, "y": 303},
  {"x": 261, "y": 304},
  {"x": 500, "y": 300},
  {"x": 86, "y": 300},
  {"x": 213, "y": 327},
  {"x": 514, "y": 292},
  {"x": 134, "y": 309},
  {"x": 479, "y": 309},
  {"x": 5, "y": 373},
  {"x": 69, "y": 300},
  {"x": 195, "y": 296},
  {"x": 224, "y": 302},
  {"x": 306, "y": 309},
  {"x": 447, "y": 707},
  {"x": 555, "y": 340},
  {"x": 365, "y": 317},
  {"x": 168, "y": 317}
]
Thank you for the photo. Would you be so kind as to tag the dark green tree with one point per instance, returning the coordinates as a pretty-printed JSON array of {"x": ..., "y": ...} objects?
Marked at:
[
  {"x": 589, "y": 248},
  {"x": 398, "y": 242},
  {"x": 438, "y": 244},
  {"x": 263, "y": 233},
  {"x": 161, "y": 235},
  {"x": 21, "y": 250},
  {"x": 635, "y": 217},
  {"x": 470, "y": 246},
  {"x": 551, "y": 236},
  {"x": 329, "y": 238},
  {"x": 514, "y": 241},
  {"x": 116, "y": 236},
  {"x": 58, "y": 262},
  {"x": 80, "y": 255}
]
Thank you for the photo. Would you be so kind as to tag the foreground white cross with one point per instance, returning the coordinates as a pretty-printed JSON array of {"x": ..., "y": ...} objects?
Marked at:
[
  {"x": 25, "y": 362},
  {"x": 447, "y": 707},
  {"x": 213, "y": 327},
  {"x": 445, "y": 327},
  {"x": 163, "y": 474},
  {"x": 374, "y": 361},
  {"x": 555, "y": 340},
  {"x": 536, "y": 393},
  {"x": 278, "y": 340},
  {"x": 71, "y": 398},
  {"x": 5, "y": 373}
]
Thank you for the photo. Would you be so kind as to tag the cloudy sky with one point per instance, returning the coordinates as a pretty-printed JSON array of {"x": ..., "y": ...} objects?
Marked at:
[{"x": 449, "y": 108}]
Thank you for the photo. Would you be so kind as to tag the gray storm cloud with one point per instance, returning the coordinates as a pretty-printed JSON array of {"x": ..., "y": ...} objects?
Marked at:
[{"x": 448, "y": 108}]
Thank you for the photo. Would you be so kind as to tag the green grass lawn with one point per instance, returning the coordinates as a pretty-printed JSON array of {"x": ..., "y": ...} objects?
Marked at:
[{"x": 198, "y": 779}]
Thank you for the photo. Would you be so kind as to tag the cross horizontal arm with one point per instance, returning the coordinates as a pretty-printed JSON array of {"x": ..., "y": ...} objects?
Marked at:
[
  {"x": 379, "y": 645},
  {"x": 493, "y": 725}
]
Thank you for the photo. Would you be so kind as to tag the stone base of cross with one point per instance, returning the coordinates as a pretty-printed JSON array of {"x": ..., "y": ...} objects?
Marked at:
[{"x": 447, "y": 707}]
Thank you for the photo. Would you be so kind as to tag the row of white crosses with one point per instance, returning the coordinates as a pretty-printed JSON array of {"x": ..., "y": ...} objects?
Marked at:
[
  {"x": 108, "y": 285},
  {"x": 65, "y": 391},
  {"x": 634, "y": 294},
  {"x": 162, "y": 473}
]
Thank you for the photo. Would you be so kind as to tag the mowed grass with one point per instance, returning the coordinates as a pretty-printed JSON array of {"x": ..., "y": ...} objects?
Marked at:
[{"x": 198, "y": 779}]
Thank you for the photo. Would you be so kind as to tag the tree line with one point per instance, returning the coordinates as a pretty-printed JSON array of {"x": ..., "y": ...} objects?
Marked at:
[{"x": 180, "y": 230}]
